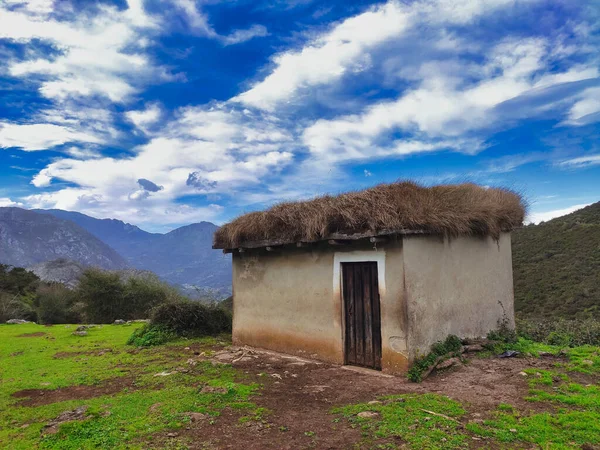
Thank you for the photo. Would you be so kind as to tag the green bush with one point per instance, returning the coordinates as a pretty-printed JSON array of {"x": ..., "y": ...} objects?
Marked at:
[
  {"x": 504, "y": 333},
  {"x": 108, "y": 297},
  {"x": 451, "y": 346},
  {"x": 12, "y": 307},
  {"x": 562, "y": 332},
  {"x": 189, "y": 318},
  {"x": 150, "y": 335},
  {"x": 53, "y": 303}
]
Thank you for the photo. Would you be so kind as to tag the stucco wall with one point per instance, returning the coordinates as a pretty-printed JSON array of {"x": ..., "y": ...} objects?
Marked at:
[
  {"x": 290, "y": 301},
  {"x": 283, "y": 302},
  {"x": 460, "y": 286}
]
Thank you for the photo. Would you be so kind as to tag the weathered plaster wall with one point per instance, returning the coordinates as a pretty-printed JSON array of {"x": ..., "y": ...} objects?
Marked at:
[
  {"x": 290, "y": 301},
  {"x": 283, "y": 301},
  {"x": 460, "y": 286}
]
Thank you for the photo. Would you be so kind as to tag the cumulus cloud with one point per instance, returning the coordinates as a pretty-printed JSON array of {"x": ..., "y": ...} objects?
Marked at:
[{"x": 5, "y": 202}]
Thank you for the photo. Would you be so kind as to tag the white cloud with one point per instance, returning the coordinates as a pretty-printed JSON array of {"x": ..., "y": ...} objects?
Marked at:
[
  {"x": 537, "y": 217},
  {"x": 145, "y": 118},
  {"x": 586, "y": 109},
  {"x": 203, "y": 151},
  {"x": 199, "y": 23},
  {"x": 346, "y": 47},
  {"x": 239, "y": 36},
  {"x": 444, "y": 107},
  {"x": 328, "y": 57},
  {"x": 582, "y": 161},
  {"x": 40, "y": 136},
  {"x": 5, "y": 202}
]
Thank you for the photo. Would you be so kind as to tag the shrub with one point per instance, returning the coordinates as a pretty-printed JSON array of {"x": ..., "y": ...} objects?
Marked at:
[
  {"x": 451, "y": 346},
  {"x": 504, "y": 333},
  {"x": 104, "y": 296},
  {"x": 108, "y": 297},
  {"x": 150, "y": 335},
  {"x": 189, "y": 318},
  {"x": 12, "y": 307},
  {"x": 53, "y": 303}
]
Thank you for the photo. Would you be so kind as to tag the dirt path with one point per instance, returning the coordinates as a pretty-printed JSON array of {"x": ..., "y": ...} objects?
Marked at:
[{"x": 299, "y": 395}]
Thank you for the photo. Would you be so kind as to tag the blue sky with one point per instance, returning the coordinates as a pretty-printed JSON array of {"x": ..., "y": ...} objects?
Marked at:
[{"x": 163, "y": 113}]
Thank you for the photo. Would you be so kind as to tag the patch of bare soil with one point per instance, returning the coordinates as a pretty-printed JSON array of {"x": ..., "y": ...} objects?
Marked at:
[
  {"x": 30, "y": 335},
  {"x": 67, "y": 416},
  {"x": 38, "y": 397},
  {"x": 300, "y": 394}
]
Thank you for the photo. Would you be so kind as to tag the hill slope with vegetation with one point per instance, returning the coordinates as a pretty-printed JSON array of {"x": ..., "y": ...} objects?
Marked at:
[{"x": 557, "y": 266}]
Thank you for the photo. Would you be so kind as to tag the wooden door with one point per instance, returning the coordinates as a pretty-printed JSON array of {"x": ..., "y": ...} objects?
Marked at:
[{"x": 362, "y": 337}]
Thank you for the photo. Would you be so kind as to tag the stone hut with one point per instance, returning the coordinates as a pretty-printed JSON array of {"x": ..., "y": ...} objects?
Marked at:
[{"x": 373, "y": 278}]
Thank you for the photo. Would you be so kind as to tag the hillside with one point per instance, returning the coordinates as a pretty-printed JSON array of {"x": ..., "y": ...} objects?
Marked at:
[
  {"x": 557, "y": 266},
  {"x": 182, "y": 257},
  {"x": 60, "y": 270},
  {"x": 28, "y": 238}
]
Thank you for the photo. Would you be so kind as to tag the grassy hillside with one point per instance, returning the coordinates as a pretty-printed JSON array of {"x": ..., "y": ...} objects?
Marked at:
[{"x": 557, "y": 266}]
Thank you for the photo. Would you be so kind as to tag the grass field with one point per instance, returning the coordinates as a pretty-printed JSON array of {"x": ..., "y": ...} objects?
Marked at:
[
  {"x": 61, "y": 391},
  {"x": 137, "y": 404}
]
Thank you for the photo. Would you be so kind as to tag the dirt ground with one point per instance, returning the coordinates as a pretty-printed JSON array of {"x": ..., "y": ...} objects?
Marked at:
[{"x": 300, "y": 394}]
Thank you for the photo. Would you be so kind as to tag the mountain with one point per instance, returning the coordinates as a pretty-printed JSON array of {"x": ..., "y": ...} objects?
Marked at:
[
  {"x": 183, "y": 257},
  {"x": 29, "y": 237},
  {"x": 60, "y": 270},
  {"x": 122, "y": 237},
  {"x": 557, "y": 266}
]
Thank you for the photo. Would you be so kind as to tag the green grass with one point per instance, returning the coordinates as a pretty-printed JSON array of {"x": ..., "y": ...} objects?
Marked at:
[
  {"x": 404, "y": 417},
  {"x": 571, "y": 420},
  {"x": 121, "y": 420}
]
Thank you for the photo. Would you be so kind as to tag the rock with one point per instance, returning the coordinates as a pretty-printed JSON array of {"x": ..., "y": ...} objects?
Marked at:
[
  {"x": 162, "y": 374},
  {"x": 374, "y": 402},
  {"x": 17, "y": 322},
  {"x": 224, "y": 356},
  {"x": 197, "y": 417},
  {"x": 473, "y": 348},
  {"x": 587, "y": 362},
  {"x": 120, "y": 322},
  {"x": 192, "y": 362},
  {"x": 368, "y": 414},
  {"x": 513, "y": 430},
  {"x": 523, "y": 374},
  {"x": 82, "y": 328},
  {"x": 276, "y": 375},
  {"x": 172, "y": 435},
  {"x": 213, "y": 390},
  {"x": 448, "y": 363},
  {"x": 80, "y": 333}
]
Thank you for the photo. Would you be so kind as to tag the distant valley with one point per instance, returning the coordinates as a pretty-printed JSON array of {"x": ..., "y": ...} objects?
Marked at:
[{"x": 183, "y": 257}]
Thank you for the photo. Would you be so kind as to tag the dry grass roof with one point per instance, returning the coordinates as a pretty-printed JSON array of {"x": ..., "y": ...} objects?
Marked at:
[{"x": 401, "y": 207}]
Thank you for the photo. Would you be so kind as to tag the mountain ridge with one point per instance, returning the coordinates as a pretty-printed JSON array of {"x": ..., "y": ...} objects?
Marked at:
[
  {"x": 28, "y": 238},
  {"x": 183, "y": 256}
]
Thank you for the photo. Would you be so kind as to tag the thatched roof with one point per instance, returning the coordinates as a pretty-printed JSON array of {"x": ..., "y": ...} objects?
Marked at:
[{"x": 395, "y": 208}]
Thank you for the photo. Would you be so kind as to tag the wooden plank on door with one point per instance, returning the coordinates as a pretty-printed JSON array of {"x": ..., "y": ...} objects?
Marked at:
[{"x": 362, "y": 337}]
